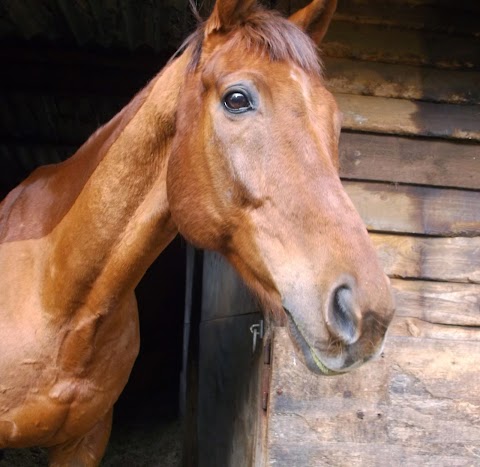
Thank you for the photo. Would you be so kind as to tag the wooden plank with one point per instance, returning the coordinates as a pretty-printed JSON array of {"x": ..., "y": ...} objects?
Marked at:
[
  {"x": 230, "y": 418},
  {"x": 229, "y": 392},
  {"x": 407, "y": 160},
  {"x": 443, "y": 259},
  {"x": 415, "y": 209},
  {"x": 392, "y": 45},
  {"x": 403, "y": 117},
  {"x": 425, "y": 330},
  {"x": 402, "y": 81},
  {"x": 187, "y": 318},
  {"x": 418, "y": 405},
  {"x": 461, "y": 6},
  {"x": 421, "y": 17},
  {"x": 224, "y": 293},
  {"x": 438, "y": 302}
]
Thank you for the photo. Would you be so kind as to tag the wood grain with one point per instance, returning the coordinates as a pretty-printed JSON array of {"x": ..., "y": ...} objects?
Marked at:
[
  {"x": 418, "y": 405},
  {"x": 224, "y": 293},
  {"x": 231, "y": 421},
  {"x": 403, "y": 117},
  {"x": 414, "y": 16},
  {"x": 394, "y": 45},
  {"x": 408, "y": 160},
  {"x": 441, "y": 303},
  {"x": 415, "y": 209},
  {"x": 229, "y": 392},
  {"x": 454, "y": 259},
  {"x": 459, "y": 6},
  {"x": 424, "y": 330},
  {"x": 402, "y": 81}
]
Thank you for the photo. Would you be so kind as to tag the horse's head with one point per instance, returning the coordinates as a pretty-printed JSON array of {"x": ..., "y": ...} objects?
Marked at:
[{"x": 253, "y": 174}]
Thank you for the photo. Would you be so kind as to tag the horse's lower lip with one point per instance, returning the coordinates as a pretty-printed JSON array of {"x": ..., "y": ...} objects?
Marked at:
[{"x": 312, "y": 360}]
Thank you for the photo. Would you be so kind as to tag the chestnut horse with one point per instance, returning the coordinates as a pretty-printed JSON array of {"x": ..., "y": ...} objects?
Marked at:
[{"x": 234, "y": 145}]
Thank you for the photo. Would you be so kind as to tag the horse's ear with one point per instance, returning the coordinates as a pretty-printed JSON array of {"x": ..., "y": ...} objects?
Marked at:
[
  {"x": 315, "y": 18},
  {"x": 228, "y": 13}
]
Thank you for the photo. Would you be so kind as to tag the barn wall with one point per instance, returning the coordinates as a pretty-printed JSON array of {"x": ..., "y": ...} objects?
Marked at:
[
  {"x": 405, "y": 74},
  {"x": 410, "y": 152}
]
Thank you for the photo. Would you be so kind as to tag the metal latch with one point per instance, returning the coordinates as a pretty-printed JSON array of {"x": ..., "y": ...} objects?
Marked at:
[{"x": 257, "y": 333}]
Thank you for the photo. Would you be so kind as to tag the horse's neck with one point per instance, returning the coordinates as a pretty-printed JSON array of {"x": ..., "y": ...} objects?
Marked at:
[{"x": 120, "y": 220}]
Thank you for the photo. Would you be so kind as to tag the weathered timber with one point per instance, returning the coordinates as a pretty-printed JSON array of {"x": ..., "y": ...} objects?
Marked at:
[
  {"x": 418, "y": 405},
  {"x": 454, "y": 259},
  {"x": 407, "y": 160},
  {"x": 393, "y": 45},
  {"x": 461, "y": 6},
  {"x": 457, "y": 7},
  {"x": 224, "y": 293},
  {"x": 230, "y": 419},
  {"x": 416, "y": 209},
  {"x": 229, "y": 392},
  {"x": 403, "y": 117},
  {"x": 402, "y": 81},
  {"x": 426, "y": 330},
  {"x": 421, "y": 17},
  {"x": 442, "y": 303}
]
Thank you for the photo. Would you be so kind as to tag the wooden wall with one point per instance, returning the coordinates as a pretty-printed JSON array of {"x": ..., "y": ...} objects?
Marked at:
[
  {"x": 406, "y": 74},
  {"x": 409, "y": 88}
]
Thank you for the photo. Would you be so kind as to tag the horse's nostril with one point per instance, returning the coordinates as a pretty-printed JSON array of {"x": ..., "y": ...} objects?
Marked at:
[{"x": 343, "y": 321}]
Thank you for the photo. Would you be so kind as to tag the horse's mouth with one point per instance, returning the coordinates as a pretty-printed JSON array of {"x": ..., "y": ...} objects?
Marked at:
[{"x": 312, "y": 360}]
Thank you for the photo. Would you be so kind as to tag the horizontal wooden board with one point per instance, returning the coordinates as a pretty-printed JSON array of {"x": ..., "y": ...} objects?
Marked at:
[
  {"x": 454, "y": 259},
  {"x": 438, "y": 303},
  {"x": 421, "y": 17},
  {"x": 423, "y": 329},
  {"x": 415, "y": 209},
  {"x": 459, "y": 6},
  {"x": 392, "y": 45},
  {"x": 440, "y": 259},
  {"x": 408, "y": 160},
  {"x": 403, "y": 117},
  {"x": 418, "y": 405},
  {"x": 402, "y": 81}
]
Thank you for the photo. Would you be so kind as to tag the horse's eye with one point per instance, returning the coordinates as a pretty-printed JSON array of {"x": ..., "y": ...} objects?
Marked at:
[{"x": 237, "y": 102}]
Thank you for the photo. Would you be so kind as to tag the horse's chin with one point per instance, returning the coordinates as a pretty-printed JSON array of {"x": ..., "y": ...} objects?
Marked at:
[{"x": 309, "y": 355}]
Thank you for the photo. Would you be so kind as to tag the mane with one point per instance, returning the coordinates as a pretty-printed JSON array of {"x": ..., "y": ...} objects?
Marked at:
[{"x": 265, "y": 32}]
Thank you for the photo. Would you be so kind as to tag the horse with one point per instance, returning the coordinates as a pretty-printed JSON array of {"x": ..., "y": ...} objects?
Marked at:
[{"x": 234, "y": 145}]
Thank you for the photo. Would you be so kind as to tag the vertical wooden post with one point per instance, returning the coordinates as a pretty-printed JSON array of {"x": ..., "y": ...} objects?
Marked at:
[
  {"x": 229, "y": 380},
  {"x": 189, "y": 375}
]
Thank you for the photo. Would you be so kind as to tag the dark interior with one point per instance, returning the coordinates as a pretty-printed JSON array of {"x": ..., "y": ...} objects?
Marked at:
[{"x": 66, "y": 68}]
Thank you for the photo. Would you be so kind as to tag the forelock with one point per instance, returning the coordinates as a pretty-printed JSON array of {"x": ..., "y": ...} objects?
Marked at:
[{"x": 265, "y": 32}]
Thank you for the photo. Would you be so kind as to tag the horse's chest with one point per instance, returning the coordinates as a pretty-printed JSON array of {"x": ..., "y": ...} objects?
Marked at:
[{"x": 58, "y": 381}]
